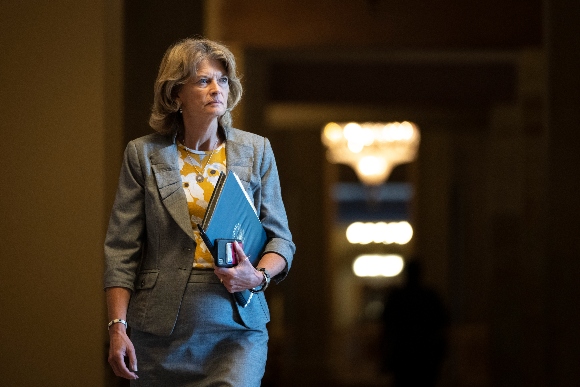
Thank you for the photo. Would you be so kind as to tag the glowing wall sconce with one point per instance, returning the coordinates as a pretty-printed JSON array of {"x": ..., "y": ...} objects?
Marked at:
[
  {"x": 389, "y": 265},
  {"x": 380, "y": 232},
  {"x": 371, "y": 149}
]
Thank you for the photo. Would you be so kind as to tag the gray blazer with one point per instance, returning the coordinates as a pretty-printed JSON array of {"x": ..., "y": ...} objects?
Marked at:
[{"x": 149, "y": 243}]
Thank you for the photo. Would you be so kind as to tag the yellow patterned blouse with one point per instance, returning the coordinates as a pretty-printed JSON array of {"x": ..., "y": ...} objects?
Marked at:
[{"x": 199, "y": 174}]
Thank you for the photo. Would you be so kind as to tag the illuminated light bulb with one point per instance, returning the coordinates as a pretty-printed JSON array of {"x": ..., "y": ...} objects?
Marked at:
[
  {"x": 391, "y": 236},
  {"x": 389, "y": 265},
  {"x": 381, "y": 232},
  {"x": 355, "y": 145},
  {"x": 367, "y": 136},
  {"x": 351, "y": 131},
  {"x": 405, "y": 232},
  {"x": 371, "y": 166},
  {"x": 353, "y": 232},
  {"x": 332, "y": 133}
]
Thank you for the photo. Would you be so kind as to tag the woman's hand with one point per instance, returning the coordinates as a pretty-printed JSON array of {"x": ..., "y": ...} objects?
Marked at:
[
  {"x": 121, "y": 347},
  {"x": 241, "y": 277}
]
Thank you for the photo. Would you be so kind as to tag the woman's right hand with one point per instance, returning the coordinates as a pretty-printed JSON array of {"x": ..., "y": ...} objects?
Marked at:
[{"x": 120, "y": 346}]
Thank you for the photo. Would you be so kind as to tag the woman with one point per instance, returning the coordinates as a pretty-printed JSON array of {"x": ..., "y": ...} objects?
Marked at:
[{"x": 186, "y": 328}]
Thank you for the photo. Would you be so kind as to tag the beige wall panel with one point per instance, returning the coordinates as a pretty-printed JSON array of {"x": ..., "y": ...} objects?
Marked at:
[{"x": 59, "y": 76}]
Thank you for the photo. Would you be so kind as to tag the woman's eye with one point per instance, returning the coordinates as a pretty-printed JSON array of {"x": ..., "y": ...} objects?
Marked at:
[
  {"x": 224, "y": 80},
  {"x": 203, "y": 81}
]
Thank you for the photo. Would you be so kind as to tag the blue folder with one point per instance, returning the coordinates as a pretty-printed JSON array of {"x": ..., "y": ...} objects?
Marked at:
[{"x": 231, "y": 215}]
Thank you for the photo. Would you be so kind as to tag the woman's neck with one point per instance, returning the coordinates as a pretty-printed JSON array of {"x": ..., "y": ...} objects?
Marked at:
[{"x": 202, "y": 137}]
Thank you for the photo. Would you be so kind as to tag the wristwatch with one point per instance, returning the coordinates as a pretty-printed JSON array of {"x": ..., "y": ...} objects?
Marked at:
[{"x": 265, "y": 282}]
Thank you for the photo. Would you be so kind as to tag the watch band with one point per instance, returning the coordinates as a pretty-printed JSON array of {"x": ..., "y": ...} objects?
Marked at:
[
  {"x": 115, "y": 321},
  {"x": 264, "y": 285}
]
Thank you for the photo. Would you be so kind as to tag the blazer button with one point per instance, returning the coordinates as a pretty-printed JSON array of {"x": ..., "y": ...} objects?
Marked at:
[{"x": 142, "y": 283}]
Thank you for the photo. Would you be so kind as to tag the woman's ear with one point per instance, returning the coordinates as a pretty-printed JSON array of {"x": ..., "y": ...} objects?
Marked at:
[{"x": 175, "y": 93}]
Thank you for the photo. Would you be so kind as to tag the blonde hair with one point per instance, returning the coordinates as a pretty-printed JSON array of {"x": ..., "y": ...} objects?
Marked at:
[{"x": 179, "y": 64}]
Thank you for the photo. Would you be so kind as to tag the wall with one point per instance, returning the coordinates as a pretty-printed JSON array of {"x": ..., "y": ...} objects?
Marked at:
[
  {"x": 60, "y": 96},
  {"x": 562, "y": 266},
  {"x": 150, "y": 28}
]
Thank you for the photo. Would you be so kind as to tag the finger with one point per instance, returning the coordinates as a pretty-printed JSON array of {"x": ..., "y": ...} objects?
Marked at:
[
  {"x": 120, "y": 369},
  {"x": 132, "y": 358},
  {"x": 126, "y": 372},
  {"x": 240, "y": 252},
  {"x": 221, "y": 272}
]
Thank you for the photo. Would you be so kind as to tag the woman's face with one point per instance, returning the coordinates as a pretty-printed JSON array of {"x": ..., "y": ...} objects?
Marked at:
[{"x": 206, "y": 93}]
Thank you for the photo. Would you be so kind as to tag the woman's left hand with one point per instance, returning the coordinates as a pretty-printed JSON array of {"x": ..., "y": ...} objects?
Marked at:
[{"x": 240, "y": 277}]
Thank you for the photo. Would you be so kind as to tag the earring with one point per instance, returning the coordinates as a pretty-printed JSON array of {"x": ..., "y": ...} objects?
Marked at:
[{"x": 181, "y": 110}]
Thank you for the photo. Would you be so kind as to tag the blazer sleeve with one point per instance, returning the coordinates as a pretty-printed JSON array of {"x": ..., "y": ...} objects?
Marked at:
[
  {"x": 273, "y": 213},
  {"x": 126, "y": 232}
]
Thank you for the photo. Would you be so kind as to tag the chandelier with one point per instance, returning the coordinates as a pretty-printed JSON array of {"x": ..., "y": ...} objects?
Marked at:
[{"x": 372, "y": 149}]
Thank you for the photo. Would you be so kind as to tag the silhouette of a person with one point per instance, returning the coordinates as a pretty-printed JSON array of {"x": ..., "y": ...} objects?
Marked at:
[{"x": 415, "y": 323}]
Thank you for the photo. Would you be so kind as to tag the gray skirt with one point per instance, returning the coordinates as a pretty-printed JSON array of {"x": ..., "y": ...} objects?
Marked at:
[{"x": 210, "y": 345}]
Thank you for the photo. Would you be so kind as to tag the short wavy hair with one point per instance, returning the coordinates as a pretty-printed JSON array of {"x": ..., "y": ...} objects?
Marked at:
[{"x": 179, "y": 63}]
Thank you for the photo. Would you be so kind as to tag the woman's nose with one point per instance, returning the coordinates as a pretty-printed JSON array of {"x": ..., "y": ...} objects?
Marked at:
[{"x": 214, "y": 86}]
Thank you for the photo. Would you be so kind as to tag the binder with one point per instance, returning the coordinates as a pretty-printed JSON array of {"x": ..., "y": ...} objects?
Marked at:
[{"x": 231, "y": 214}]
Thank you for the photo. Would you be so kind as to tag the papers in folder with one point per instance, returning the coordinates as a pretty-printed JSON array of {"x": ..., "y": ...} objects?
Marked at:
[{"x": 231, "y": 215}]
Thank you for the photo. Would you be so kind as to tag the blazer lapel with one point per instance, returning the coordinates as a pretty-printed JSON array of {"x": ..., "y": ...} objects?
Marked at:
[
  {"x": 240, "y": 158},
  {"x": 165, "y": 166}
]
